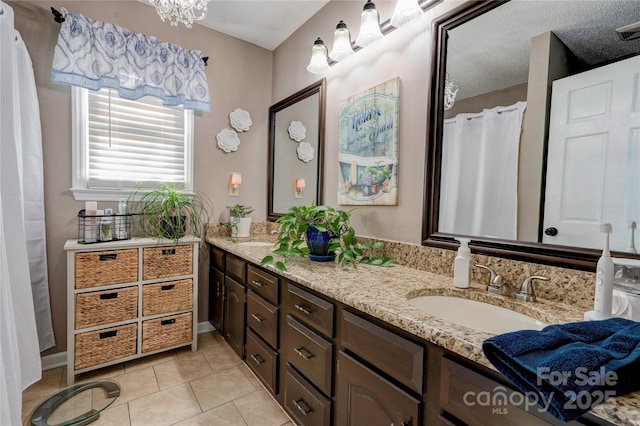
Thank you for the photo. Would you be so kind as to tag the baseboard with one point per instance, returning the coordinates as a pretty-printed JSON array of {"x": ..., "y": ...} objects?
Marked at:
[{"x": 59, "y": 359}]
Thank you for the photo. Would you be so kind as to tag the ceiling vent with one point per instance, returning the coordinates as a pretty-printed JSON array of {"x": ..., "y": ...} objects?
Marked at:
[{"x": 629, "y": 32}]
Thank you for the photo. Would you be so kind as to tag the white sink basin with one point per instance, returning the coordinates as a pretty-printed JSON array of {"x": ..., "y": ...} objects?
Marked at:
[
  {"x": 255, "y": 244},
  {"x": 477, "y": 315}
]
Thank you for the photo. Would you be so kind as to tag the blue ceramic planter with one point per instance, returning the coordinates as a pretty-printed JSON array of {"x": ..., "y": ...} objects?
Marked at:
[{"x": 318, "y": 243}]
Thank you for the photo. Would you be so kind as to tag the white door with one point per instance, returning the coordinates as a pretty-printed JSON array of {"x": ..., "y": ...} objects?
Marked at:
[{"x": 593, "y": 161}]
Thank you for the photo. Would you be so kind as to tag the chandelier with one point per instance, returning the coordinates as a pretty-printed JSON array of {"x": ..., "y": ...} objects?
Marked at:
[
  {"x": 185, "y": 11},
  {"x": 450, "y": 91}
]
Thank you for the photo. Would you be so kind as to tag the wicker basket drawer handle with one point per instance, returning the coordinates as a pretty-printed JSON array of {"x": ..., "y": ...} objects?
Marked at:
[
  {"x": 305, "y": 354},
  {"x": 257, "y": 359},
  {"x": 302, "y": 406},
  {"x": 110, "y": 256},
  {"x": 258, "y": 317},
  {"x": 109, "y": 296},
  {"x": 168, "y": 287},
  {"x": 258, "y": 283},
  {"x": 167, "y": 252},
  {"x": 304, "y": 309},
  {"x": 107, "y": 334},
  {"x": 168, "y": 322}
]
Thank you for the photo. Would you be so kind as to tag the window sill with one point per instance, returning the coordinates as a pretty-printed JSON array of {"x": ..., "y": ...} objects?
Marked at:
[{"x": 83, "y": 194}]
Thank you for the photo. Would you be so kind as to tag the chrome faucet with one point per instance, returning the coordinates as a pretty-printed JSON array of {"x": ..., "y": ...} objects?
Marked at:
[{"x": 497, "y": 285}]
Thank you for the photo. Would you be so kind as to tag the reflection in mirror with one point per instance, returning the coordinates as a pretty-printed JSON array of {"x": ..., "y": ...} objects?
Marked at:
[
  {"x": 542, "y": 143},
  {"x": 296, "y": 141}
]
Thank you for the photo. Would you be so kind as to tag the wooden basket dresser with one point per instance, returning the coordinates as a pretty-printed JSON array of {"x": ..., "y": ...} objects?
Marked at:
[{"x": 129, "y": 299}]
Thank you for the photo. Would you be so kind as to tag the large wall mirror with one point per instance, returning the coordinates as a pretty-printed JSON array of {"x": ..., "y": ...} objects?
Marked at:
[
  {"x": 534, "y": 129},
  {"x": 296, "y": 148}
]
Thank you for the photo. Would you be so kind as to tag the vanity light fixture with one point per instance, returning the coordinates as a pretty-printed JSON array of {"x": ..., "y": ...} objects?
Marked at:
[
  {"x": 406, "y": 11},
  {"x": 318, "y": 63},
  {"x": 234, "y": 184},
  {"x": 369, "y": 26},
  {"x": 341, "y": 43},
  {"x": 300, "y": 185},
  {"x": 185, "y": 11}
]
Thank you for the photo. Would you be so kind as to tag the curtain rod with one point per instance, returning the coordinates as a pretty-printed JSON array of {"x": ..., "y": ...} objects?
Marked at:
[{"x": 57, "y": 16}]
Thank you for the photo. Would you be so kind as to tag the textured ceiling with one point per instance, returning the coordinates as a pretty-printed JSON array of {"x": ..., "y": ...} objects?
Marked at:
[{"x": 492, "y": 51}]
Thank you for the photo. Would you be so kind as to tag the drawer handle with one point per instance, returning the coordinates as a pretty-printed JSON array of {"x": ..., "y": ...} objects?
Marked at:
[
  {"x": 302, "y": 406},
  {"x": 106, "y": 257},
  {"x": 167, "y": 322},
  {"x": 108, "y": 296},
  {"x": 303, "y": 353},
  {"x": 167, "y": 252},
  {"x": 257, "y": 359},
  {"x": 107, "y": 334},
  {"x": 304, "y": 309},
  {"x": 168, "y": 287},
  {"x": 258, "y": 283},
  {"x": 258, "y": 317}
]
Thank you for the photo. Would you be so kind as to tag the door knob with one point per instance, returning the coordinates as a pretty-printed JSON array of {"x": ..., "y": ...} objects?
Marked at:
[{"x": 552, "y": 232}]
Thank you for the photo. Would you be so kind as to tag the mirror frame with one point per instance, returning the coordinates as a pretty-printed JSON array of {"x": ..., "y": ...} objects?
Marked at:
[
  {"x": 554, "y": 255},
  {"x": 319, "y": 87}
]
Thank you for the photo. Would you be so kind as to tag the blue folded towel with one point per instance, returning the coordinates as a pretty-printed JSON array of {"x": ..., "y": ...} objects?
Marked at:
[{"x": 570, "y": 368}]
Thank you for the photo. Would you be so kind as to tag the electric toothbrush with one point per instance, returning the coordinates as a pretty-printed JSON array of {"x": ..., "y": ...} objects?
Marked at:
[
  {"x": 632, "y": 244},
  {"x": 604, "y": 281}
]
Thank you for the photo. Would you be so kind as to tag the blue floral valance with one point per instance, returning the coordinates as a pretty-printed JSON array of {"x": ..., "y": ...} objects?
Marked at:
[{"x": 96, "y": 55}]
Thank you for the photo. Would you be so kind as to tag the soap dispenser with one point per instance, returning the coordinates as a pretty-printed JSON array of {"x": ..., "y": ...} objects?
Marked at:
[{"x": 462, "y": 265}]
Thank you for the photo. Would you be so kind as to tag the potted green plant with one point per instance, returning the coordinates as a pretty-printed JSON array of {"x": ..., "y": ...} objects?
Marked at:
[
  {"x": 322, "y": 233},
  {"x": 168, "y": 212},
  {"x": 240, "y": 220}
]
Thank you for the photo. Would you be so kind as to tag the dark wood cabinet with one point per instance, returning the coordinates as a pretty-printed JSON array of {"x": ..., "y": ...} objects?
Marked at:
[
  {"x": 216, "y": 298},
  {"x": 364, "y": 398},
  {"x": 234, "y": 314}
]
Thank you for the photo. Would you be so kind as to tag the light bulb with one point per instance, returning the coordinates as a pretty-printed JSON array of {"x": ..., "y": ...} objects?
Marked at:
[
  {"x": 406, "y": 11},
  {"x": 318, "y": 63},
  {"x": 341, "y": 43},
  {"x": 369, "y": 26}
]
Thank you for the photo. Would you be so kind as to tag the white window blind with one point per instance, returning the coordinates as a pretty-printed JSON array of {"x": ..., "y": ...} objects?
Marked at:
[{"x": 122, "y": 143}]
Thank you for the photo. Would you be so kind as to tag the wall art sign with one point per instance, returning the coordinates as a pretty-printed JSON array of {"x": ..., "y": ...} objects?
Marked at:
[{"x": 368, "y": 146}]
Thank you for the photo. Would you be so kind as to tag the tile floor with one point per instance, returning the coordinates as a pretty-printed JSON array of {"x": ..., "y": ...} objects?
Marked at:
[{"x": 209, "y": 387}]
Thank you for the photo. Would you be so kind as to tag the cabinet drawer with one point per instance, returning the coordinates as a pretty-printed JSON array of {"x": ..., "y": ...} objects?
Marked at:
[
  {"x": 217, "y": 259},
  {"x": 167, "y": 297},
  {"x": 170, "y": 261},
  {"x": 263, "y": 361},
  {"x": 109, "y": 344},
  {"x": 459, "y": 384},
  {"x": 234, "y": 267},
  {"x": 98, "y": 268},
  {"x": 310, "y": 354},
  {"x": 313, "y": 310},
  {"x": 168, "y": 331},
  {"x": 263, "y": 283},
  {"x": 262, "y": 317},
  {"x": 395, "y": 355},
  {"x": 106, "y": 307},
  {"x": 305, "y": 405}
]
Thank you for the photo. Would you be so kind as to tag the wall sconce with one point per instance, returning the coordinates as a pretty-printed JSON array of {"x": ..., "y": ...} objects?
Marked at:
[
  {"x": 300, "y": 184},
  {"x": 370, "y": 31},
  {"x": 234, "y": 184}
]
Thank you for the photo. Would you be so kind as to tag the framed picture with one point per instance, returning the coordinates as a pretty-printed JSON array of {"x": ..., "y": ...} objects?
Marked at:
[{"x": 368, "y": 146}]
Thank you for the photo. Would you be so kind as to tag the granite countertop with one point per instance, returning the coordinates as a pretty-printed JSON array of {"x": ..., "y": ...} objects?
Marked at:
[{"x": 384, "y": 292}]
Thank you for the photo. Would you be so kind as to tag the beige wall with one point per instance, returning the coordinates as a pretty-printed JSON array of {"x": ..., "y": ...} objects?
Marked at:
[
  {"x": 403, "y": 53},
  {"x": 239, "y": 75}
]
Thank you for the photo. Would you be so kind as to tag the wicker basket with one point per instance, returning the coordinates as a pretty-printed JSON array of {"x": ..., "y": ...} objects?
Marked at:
[
  {"x": 108, "y": 344},
  {"x": 98, "y": 268},
  {"x": 106, "y": 307},
  {"x": 169, "y": 296},
  {"x": 165, "y": 332},
  {"x": 172, "y": 261}
]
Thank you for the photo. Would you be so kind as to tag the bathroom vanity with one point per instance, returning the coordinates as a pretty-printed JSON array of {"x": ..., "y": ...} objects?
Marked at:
[
  {"x": 129, "y": 299},
  {"x": 344, "y": 346}
]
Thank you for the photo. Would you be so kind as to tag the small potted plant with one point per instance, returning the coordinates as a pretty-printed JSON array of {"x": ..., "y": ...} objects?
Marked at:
[
  {"x": 322, "y": 233},
  {"x": 240, "y": 220}
]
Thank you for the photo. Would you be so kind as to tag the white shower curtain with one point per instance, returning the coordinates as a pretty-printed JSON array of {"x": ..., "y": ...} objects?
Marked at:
[
  {"x": 19, "y": 347},
  {"x": 479, "y": 181}
]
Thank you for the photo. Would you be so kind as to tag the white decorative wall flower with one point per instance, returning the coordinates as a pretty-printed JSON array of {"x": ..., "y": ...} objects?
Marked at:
[
  {"x": 305, "y": 151},
  {"x": 240, "y": 120},
  {"x": 228, "y": 140},
  {"x": 297, "y": 131}
]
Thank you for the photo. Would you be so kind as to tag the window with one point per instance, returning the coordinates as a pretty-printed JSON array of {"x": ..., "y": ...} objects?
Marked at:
[{"x": 119, "y": 144}]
